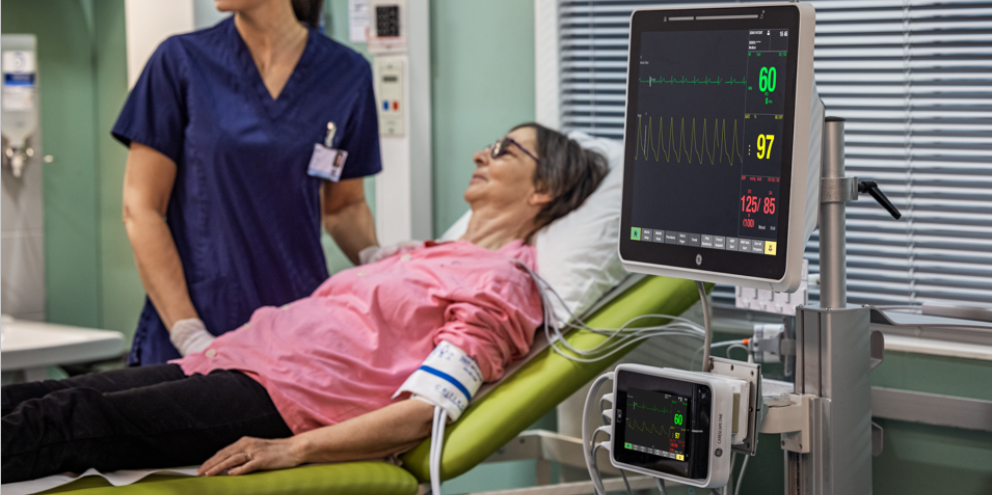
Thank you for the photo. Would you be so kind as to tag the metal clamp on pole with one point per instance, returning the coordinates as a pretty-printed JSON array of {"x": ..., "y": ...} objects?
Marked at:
[
  {"x": 838, "y": 189},
  {"x": 790, "y": 416}
]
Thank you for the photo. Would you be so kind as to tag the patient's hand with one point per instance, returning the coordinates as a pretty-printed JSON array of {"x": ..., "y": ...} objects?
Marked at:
[
  {"x": 253, "y": 454},
  {"x": 375, "y": 435}
]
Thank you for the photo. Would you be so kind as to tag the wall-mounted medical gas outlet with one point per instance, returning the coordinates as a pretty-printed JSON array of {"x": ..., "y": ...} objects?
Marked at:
[
  {"x": 399, "y": 38},
  {"x": 20, "y": 99},
  {"x": 389, "y": 82},
  {"x": 387, "y": 26}
]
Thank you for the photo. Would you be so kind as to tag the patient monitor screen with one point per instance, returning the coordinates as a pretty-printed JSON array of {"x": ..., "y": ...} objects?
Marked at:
[
  {"x": 707, "y": 138},
  {"x": 656, "y": 423},
  {"x": 662, "y": 424}
]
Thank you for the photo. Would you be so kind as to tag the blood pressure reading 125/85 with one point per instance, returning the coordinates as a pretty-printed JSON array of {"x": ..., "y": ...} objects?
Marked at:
[{"x": 710, "y": 117}]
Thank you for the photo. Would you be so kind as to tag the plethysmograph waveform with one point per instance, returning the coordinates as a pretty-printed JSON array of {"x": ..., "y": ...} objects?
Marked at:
[
  {"x": 689, "y": 143},
  {"x": 643, "y": 426}
]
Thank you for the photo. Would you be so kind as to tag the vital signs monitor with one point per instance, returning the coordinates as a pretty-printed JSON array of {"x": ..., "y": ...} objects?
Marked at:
[
  {"x": 722, "y": 144},
  {"x": 673, "y": 424}
]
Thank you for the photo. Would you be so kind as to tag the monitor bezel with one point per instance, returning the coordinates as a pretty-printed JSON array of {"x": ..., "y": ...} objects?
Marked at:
[{"x": 725, "y": 263}]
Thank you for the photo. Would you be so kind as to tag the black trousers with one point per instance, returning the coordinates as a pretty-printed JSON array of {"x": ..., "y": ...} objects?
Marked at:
[{"x": 149, "y": 417}]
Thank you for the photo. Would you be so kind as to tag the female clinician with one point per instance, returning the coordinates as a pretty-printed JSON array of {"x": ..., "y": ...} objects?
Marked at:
[{"x": 220, "y": 206}]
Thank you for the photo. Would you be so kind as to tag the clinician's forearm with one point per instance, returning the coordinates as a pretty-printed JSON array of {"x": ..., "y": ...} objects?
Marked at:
[
  {"x": 159, "y": 266},
  {"x": 392, "y": 429},
  {"x": 352, "y": 227}
]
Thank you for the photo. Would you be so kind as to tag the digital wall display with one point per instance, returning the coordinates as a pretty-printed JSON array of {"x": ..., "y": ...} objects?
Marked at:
[
  {"x": 710, "y": 114},
  {"x": 656, "y": 423}
]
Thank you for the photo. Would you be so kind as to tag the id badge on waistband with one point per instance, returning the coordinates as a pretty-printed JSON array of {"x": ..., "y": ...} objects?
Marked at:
[{"x": 327, "y": 163}]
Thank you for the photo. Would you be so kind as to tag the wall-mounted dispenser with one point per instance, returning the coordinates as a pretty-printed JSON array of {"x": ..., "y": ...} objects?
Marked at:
[
  {"x": 22, "y": 227},
  {"x": 19, "y": 100}
]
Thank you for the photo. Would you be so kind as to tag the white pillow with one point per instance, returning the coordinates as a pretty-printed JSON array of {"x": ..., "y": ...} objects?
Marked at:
[{"x": 577, "y": 254}]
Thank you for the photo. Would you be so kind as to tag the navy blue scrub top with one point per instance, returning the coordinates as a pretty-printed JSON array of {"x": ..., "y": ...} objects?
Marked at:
[{"x": 244, "y": 214}]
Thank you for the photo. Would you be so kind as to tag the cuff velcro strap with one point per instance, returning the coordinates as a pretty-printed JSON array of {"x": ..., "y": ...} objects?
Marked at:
[{"x": 449, "y": 378}]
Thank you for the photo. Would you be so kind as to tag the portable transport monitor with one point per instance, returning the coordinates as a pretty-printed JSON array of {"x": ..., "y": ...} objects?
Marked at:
[
  {"x": 672, "y": 424},
  {"x": 722, "y": 125}
]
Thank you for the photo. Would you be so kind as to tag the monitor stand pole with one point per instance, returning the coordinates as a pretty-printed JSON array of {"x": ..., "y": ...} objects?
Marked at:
[{"x": 833, "y": 353}]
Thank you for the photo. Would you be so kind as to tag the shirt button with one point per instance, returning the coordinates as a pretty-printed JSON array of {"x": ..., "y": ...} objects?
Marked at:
[{"x": 211, "y": 353}]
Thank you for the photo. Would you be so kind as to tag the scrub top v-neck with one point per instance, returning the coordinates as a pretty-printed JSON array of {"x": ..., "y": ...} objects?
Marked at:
[{"x": 243, "y": 212}]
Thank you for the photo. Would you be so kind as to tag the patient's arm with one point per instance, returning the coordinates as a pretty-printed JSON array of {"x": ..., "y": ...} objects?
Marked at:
[{"x": 394, "y": 428}]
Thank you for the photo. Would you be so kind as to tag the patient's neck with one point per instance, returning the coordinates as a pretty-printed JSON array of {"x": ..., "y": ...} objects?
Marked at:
[{"x": 493, "y": 228}]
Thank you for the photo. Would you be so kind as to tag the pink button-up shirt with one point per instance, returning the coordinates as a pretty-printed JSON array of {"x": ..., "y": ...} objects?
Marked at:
[{"x": 343, "y": 351}]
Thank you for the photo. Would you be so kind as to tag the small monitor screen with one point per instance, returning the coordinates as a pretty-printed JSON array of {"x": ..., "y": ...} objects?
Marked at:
[
  {"x": 656, "y": 423},
  {"x": 708, "y": 140},
  {"x": 662, "y": 424}
]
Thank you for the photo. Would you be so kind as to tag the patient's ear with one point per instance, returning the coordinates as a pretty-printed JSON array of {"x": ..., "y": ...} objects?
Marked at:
[{"x": 539, "y": 198}]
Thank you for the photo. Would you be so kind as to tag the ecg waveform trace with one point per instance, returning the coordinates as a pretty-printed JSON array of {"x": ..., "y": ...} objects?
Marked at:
[
  {"x": 694, "y": 80},
  {"x": 715, "y": 152},
  {"x": 651, "y": 429}
]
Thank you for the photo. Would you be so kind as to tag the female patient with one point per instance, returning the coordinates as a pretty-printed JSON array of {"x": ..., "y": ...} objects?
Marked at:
[{"x": 312, "y": 381}]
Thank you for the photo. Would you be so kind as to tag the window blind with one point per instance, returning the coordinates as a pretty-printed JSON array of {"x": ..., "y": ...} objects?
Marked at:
[{"x": 913, "y": 78}]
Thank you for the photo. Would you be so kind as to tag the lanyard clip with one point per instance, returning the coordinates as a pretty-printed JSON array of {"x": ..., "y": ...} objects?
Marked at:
[{"x": 329, "y": 138}]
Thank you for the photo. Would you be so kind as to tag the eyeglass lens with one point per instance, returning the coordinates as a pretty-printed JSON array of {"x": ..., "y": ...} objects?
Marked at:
[{"x": 499, "y": 148}]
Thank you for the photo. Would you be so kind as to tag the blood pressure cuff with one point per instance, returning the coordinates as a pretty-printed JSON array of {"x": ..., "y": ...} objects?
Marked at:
[{"x": 449, "y": 378}]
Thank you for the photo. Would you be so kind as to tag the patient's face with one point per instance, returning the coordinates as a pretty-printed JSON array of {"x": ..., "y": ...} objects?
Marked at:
[{"x": 508, "y": 180}]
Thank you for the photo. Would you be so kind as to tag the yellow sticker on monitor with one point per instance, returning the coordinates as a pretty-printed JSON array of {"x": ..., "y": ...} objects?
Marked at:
[
  {"x": 770, "y": 247},
  {"x": 679, "y": 457}
]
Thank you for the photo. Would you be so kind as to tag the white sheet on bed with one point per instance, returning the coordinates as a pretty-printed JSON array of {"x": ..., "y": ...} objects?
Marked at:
[{"x": 116, "y": 478}]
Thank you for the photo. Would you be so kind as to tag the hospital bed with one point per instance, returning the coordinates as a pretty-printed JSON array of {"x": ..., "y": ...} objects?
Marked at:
[
  {"x": 577, "y": 256},
  {"x": 523, "y": 397}
]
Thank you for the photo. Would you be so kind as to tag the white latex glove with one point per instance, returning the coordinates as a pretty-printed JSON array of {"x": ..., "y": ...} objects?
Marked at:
[
  {"x": 190, "y": 336},
  {"x": 372, "y": 254}
]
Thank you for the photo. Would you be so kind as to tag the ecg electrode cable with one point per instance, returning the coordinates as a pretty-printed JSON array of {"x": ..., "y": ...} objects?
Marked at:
[
  {"x": 617, "y": 339},
  {"x": 740, "y": 477},
  {"x": 708, "y": 339},
  {"x": 725, "y": 343},
  {"x": 588, "y": 439},
  {"x": 625, "y": 482}
]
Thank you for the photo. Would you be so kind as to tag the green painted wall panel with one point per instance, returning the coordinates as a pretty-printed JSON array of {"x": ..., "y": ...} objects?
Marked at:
[
  {"x": 66, "y": 84},
  {"x": 122, "y": 294},
  {"x": 922, "y": 459},
  {"x": 482, "y": 69},
  {"x": 935, "y": 375}
]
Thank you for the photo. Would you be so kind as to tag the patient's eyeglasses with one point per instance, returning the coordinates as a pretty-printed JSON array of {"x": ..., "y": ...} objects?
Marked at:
[{"x": 499, "y": 148}]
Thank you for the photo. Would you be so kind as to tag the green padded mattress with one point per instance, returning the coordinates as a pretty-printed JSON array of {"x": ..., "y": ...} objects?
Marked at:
[{"x": 523, "y": 398}]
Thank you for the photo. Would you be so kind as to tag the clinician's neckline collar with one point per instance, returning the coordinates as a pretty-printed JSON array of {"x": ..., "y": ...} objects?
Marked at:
[{"x": 274, "y": 107}]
